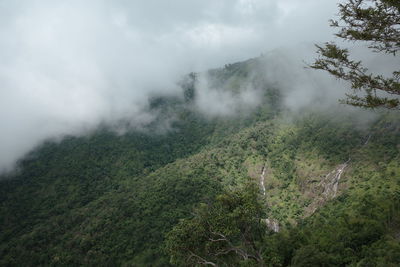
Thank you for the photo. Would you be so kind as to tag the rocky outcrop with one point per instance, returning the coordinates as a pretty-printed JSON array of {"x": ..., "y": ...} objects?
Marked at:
[
  {"x": 331, "y": 181},
  {"x": 328, "y": 188},
  {"x": 272, "y": 225},
  {"x": 262, "y": 180}
]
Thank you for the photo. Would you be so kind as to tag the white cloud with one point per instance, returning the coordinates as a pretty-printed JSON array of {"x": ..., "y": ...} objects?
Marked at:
[
  {"x": 223, "y": 101},
  {"x": 69, "y": 65}
]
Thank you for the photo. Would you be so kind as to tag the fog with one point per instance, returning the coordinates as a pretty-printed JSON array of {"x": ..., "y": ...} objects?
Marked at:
[{"x": 68, "y": 66}]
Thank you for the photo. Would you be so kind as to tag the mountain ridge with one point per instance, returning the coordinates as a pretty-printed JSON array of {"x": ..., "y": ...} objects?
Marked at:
[{"x": 112, "y": 199}]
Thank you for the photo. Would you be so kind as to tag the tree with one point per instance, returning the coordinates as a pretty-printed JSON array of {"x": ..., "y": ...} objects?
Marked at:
[
  {"x": 376, "y": 22},
  {"x": 228, "y": 232}
]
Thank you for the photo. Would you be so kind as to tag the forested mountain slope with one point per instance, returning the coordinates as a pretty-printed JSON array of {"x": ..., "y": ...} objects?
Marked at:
[{"x": 326, "y": 179}]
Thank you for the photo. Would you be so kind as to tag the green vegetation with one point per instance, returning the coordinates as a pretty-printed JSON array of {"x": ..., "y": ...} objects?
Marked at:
[
  {"x": 192, "y": 194},
  {"x": 376, "y": 23},
  {"x": 359, "y": 227},
  {"x": 228, "y": 231}
]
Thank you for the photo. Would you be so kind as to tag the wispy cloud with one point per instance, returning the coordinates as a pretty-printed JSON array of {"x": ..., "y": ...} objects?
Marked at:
[{"x": 67, "y": 66}]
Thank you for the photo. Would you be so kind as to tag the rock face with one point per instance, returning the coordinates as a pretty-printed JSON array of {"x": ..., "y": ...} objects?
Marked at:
[
  {"x": 272, "y": 225},
  {"x": 326, "y": 189},
  {"x": 331, "y": 181},
  {"x": 329, "y": 188},
  {"x": 262, "y": 180}
]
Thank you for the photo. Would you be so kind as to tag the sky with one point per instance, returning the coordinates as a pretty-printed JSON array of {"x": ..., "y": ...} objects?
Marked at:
[{"x": 67, "y": 66}]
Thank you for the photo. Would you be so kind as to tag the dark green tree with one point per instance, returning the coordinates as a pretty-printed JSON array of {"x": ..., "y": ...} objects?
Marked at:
[
  {"x": 229, "y": 232},
  {"x": 376, "y": 22}
]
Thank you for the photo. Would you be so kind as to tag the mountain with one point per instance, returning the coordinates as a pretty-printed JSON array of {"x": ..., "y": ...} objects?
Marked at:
[{"x": 311, "y": 187}]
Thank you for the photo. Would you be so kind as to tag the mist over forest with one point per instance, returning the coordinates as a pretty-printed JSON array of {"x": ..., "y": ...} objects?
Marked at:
[
  {"x": 69, "y": 66},
  {"x": 188, "y": 133}
]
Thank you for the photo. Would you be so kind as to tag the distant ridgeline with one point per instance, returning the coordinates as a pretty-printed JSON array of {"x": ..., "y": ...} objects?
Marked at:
[{"x": 262, "y": 186}]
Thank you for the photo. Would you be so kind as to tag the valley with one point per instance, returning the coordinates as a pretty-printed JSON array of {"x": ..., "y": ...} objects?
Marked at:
[{"x": 276, "y": 187}]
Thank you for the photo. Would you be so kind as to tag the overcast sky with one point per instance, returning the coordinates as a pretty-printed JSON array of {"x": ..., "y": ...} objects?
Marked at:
[{"x": 68, "y": 65}]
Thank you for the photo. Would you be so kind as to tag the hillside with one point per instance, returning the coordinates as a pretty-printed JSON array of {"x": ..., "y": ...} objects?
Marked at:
[{"x": 327, "y": 179}]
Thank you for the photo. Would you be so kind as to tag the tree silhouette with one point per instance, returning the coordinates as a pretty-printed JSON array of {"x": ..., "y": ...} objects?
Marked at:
[{"x": 376, "y": 22}]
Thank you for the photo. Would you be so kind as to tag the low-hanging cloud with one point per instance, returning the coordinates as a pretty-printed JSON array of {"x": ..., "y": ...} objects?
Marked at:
[{"x": 67, "y": 66}]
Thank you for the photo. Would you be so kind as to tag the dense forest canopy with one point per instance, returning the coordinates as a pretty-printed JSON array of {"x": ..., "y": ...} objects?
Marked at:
[
  {"x": 212, "y": 190},
  {"x": 229, "y": 170}
]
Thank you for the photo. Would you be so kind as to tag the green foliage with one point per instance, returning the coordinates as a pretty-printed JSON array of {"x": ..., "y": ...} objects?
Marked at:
[
  {"x": 375, "y": 22},
  {"x": 170, "y": 190},
  {"x": 341, "y": 235},
  {"x": 225, "y": 232}
]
